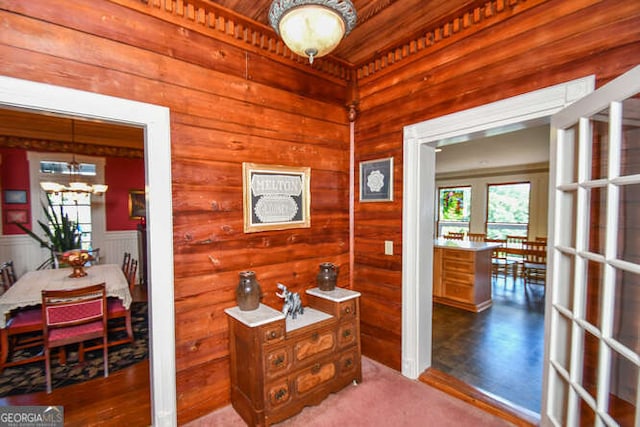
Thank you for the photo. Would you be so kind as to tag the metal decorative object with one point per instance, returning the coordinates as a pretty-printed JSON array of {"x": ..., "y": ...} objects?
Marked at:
[
  {"x": 76, "y": 259},
  {"x": 292, "y": 303},
  {"x": 312, "y": 28}
]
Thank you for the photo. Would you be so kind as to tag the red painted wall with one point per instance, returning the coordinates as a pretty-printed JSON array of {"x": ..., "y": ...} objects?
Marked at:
[
  {"x": 14, "y": 176},
  {"x": 122, "y": 175}
]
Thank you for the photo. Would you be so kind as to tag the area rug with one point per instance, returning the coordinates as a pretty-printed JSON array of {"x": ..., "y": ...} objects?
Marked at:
[{"x": 30, "y": 378}]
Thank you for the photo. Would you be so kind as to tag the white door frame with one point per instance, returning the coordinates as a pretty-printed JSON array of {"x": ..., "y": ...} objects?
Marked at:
[
  {"x": 49, "y": 99},
  {"x": 419, "y": 195}
]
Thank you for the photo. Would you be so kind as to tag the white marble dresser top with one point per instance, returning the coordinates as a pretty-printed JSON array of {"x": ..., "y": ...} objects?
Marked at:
[
  {"x": 252, "y": 318},
  {"x": 336, "y": 295}
]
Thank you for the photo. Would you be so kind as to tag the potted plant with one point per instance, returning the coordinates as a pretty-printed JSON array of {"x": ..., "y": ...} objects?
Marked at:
[{"x": 61, "y": 233}]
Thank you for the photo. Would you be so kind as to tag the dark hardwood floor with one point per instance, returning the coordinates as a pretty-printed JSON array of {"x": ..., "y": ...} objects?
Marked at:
[
  {"x": 124, "y": 398},
  {"x": 499, "y": 350}
]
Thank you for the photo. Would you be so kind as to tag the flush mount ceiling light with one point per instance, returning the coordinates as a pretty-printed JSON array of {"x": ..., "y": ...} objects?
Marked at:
[{"x": 312, "y": 28}]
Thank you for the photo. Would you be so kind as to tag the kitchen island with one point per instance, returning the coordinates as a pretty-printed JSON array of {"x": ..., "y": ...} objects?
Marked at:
[{"x": 462, "y": 273}]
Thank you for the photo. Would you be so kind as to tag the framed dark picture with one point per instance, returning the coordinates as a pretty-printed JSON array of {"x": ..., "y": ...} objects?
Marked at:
[
  {"x": 137, "y": 204},
  {"x": 275, "y": 197},
  {"x": 376, "y": 180},
  {"x": 20, "y": 216},
  {"x": 15, "y": 197}
]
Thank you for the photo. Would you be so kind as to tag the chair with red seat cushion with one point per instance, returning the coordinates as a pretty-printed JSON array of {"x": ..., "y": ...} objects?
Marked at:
[
  {"x": 116, "y": 310},
  {"x": 23, "y": 330},
  {"x": 75, "y": 316}
]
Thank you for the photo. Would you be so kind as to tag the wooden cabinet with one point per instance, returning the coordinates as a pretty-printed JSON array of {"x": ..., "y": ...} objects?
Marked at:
[
  {"x": 462, "y": 276},
  {"x": 280, "y": 365}
]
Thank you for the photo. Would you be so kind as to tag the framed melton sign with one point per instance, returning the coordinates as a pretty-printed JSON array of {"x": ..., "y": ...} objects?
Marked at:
[{"x": 275, "y": 197}]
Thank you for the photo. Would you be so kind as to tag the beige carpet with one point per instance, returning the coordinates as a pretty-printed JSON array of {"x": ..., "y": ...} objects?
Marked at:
[{"x": 384, "y": 398}]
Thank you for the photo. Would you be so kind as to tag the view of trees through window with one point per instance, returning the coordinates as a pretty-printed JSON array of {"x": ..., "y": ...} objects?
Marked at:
[
  {"x": 508, "y": 210},
  {"x": 454, "y": 209}
]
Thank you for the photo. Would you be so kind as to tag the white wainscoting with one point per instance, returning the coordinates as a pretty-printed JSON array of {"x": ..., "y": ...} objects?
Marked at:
[
  {"x": 25, "y": 252},
  {"x": 27, "y": 255},
  {"x": 116, "y": 243}
]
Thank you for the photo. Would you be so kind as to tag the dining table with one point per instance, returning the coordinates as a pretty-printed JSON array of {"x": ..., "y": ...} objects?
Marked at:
[{"x": 27, "y": 291}]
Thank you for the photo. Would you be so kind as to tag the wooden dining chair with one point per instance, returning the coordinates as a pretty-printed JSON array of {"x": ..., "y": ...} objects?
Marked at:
[
  {"x": 476, "y": 237},
  {"x": 126, "y": 262},
  {"x": 75, "y": 316},
  {"x": 23, "y": 330},
  {"x": 7, "y": 274},
  {"x": 515, "y": 253},
  {"x": 534, "y": 263},
  {"x": 454, "y": 235},
  {"x": 119, "y": 316},
  {"x": 500, "y": 263}
]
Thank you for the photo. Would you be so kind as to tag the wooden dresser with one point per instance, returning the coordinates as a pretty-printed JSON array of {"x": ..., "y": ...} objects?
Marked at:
[
  {"x": 280, "y": 365},
  {"x": 462, "y": 274}
]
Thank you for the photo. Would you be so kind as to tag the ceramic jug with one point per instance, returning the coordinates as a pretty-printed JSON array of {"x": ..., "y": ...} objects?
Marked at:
[
  {"x": 248, "y": 292},
  {"x": 327, "y": 276}
]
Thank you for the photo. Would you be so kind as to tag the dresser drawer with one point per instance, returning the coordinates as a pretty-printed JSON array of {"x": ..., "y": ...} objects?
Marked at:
[
  {"x": 458, "y": 292},
  {"x": 273, "y": 333},
  {"x": 458, "y": 255},
  {"x": 314, "y": 344},
  {"x": 347, "y": 310},
  {"x": 348, "y": 364},
  {"x": 347, "y": 334},
  {"x": 449, "y": 265},
  {"x": 314, "y": 377},
  {"x": 277, "y": 361},
  {"x": 459, "y": 277},
  {"x": 278, "y": 393}
]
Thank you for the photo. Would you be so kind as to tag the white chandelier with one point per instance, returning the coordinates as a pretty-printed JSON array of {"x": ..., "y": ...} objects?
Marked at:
[
  {"x": 312, "y": 28},
  {"x": 75, "y": 185}
]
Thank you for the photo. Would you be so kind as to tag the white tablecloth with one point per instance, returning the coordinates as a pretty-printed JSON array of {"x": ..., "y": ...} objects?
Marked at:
[{"x": 28, "y": 289}]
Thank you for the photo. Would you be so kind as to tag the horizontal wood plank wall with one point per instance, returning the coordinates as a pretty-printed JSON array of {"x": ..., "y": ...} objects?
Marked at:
[
  {"x": 228, "y": 106},
  {"x": 529, "y": 46}
]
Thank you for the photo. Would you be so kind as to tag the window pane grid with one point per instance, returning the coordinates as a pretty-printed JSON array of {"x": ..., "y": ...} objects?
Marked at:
[{"x": 595, "y": 252}]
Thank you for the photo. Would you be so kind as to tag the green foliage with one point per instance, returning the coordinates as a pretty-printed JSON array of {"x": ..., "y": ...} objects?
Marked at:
[
  {"x": 509, "y": 203},
  {"x": 61, "y": 234}
]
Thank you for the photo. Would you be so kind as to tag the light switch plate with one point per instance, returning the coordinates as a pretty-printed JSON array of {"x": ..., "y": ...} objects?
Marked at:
[{"x": 388, "y": 247}]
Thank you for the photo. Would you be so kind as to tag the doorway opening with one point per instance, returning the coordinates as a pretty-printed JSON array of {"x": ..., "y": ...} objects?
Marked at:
[
  {"x": 420, "y": 141},
  {"x": 49, "y": 99}
]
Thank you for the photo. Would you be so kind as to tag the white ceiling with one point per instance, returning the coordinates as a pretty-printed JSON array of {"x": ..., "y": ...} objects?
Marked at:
[{"x": 521, "y": 147}]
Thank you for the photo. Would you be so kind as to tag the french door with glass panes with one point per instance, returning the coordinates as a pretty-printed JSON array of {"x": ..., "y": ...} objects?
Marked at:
[{"x": 592, "y": 354}]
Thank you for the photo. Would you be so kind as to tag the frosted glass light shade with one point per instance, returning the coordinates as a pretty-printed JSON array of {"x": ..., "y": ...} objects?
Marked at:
[
  {"x": 51, "y": 187},
  {"x": 312, "y": 28},
  {"x": 311, "y": 31}
]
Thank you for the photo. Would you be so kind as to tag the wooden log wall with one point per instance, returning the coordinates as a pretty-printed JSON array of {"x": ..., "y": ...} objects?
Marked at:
[
  {"x": 513, "y": 47},
  {"x": 228, "y": 105}
]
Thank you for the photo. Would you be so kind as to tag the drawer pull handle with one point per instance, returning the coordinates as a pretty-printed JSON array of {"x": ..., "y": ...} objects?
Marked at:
[
  {"x": 315, "y": 369},
  {"x": 281, "y": 393},
  {"x": 347, "y": 310},
  {"x": 346, "y": 333},
  {"x": 315, "y": 336},
  {"x": 273, "y": 334},
  {"x": 348, "y": 363},
  {"x": 279, "y": 360}
]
